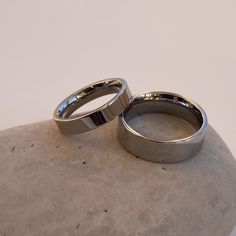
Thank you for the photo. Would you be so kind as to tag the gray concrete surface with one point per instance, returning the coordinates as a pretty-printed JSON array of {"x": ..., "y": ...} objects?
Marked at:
[{"x": 89, "y": 185}]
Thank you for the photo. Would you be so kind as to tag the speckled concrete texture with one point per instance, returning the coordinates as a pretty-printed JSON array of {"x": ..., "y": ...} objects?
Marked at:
[{"x": 89, "y": 185}]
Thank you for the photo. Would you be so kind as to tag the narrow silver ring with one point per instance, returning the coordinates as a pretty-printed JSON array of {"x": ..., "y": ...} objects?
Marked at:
[
  {"x": 157, "y": 150},
  {"x": 79, "y": 123}
]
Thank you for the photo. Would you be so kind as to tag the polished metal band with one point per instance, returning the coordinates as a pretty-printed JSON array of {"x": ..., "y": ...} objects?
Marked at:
[
  {"x": 79, "y": 123},
  {"x": 157, "y": 150}
]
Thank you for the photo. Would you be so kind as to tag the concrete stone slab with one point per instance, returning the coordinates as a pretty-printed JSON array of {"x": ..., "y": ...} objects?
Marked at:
[{"x": 89, "y": 185}]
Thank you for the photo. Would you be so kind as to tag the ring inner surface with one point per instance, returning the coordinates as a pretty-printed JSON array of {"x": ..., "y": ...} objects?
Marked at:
[
  {"x": 80, "y": 98},
  {"x": 168, "y": 110}
]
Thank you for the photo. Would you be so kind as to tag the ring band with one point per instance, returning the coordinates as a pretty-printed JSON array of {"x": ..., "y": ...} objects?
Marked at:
[
  {"x": 157, "y": 150},
  {"x": 71, "y": 124}
]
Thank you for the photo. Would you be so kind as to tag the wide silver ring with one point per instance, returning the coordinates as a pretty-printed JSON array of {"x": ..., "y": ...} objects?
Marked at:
[
  {"x": 79, "y": 123},
  {"x": 157, "y": 150}
]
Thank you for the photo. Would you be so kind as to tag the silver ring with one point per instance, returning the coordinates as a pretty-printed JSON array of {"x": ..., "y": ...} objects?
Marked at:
[
  {"x": 71, "y": 124},
  {"x": 158, "y": 150}
]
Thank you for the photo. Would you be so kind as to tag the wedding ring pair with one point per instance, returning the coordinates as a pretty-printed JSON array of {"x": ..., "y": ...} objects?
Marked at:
[{"x": 126, "y": 106}]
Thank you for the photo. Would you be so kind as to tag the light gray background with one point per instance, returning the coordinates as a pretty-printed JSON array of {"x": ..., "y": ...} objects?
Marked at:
[{"x": 50, "y": 48}]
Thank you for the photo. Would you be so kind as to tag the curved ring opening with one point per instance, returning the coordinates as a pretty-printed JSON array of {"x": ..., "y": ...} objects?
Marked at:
[
  {"x": 87, "y": 94},
  {"x": 164, "y": 103}
]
